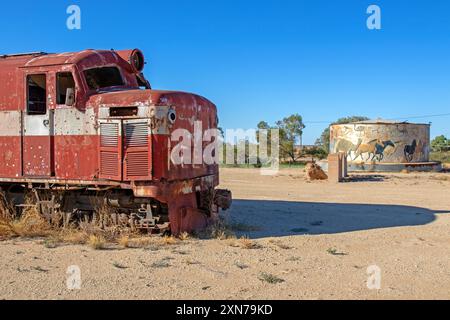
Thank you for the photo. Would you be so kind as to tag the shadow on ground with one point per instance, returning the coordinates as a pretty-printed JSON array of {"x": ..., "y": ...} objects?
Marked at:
[{"x": 260, "y": 219}]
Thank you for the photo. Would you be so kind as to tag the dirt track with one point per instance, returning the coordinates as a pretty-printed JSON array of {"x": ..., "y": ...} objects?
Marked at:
[{"x": 318, "y": 238}]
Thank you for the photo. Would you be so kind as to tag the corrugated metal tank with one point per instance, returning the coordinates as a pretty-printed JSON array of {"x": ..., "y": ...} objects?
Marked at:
[{"x": 381, "y": 141}]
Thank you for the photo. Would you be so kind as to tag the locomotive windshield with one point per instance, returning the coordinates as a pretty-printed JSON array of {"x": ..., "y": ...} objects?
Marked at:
[{"x": 104, "y": 77}]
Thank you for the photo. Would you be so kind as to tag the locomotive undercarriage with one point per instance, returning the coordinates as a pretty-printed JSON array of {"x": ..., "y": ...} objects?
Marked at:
[{"x": 109, "y": 207}]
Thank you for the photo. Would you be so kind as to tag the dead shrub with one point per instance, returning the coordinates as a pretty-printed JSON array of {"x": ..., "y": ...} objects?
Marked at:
[
  {"x": 124, "y": 241},
  {"x": 246, "y": 243},
  {"x": 219, "y": 230},
  {"x": 184, "y": 236},
  {"x": 169, "y": 240},
  {"x": 97, "y": 242},
  {"x": 32, "y": 224}
]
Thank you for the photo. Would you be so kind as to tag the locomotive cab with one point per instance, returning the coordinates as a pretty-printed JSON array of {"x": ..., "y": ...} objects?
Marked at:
[{"x": 87, "y": 127}]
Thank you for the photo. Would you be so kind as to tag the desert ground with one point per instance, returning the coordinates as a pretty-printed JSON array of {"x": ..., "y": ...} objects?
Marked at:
[{"x": 306, "y": 240}]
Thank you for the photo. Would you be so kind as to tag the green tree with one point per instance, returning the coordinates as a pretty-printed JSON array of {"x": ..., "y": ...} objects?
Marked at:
[
  {"x": 440, "y": 144},
  {"x": 324, "y": 140},
  {"x": 291, "y": 131}
]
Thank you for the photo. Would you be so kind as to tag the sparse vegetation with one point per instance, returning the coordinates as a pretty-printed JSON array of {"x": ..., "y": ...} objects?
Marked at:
[
  {"x": 335, "y": 252},
  {"x": 241, "y": 266},
  {"x": 443, "y": 156},
  {"x": 180, "y": 252},
  {"x": 50, "y": 244},
  {"x": 293, "y": 259},
  {"x": 124, "y": 241},
  {"x": 269, "y": 278},
  {"x": 169, "y": 240},
  {"x": 119, "y": 265},
  {"x": 40, "y": 269},
  {"x": 161, "y": 264},
  {"x": 219, "y": 230},
  {"x": 30, "y": 225},
  {"x": 281, "y": 245},
  {"x": 96, "y": 242},
  {"x": 247, "y": 243},
  {"x": 184, "y": 236},
  {"x": 191, "y": 262}
]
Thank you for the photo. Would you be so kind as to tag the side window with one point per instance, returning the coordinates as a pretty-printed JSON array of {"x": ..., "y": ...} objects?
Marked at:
[
  {"x": 37, "y": 94},
  {"x": 64, "y": 81}
]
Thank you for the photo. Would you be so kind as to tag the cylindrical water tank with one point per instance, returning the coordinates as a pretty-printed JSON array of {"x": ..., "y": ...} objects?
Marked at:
[{"x": 381, "y": 142}]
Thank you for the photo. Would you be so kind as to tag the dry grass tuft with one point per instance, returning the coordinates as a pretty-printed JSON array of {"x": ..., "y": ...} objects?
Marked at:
[
  {"x": 246, "y": 243},
  {"x": 169, "y": 240},
  {"x": 160, "y": 264},
  {"x": 119, "y": 265},
  {"x": 184, "y": 236},
  {"x": 219, "y": 230},
  {"x": 124, "y": 241},
  {"x": 269, "y": 278},
  {"x": 141, "y": 242},
  {"x": 96, "y": 242},
  {"x": 335, "y": 252},
  {"x": 30, "y": 225},
  {"x": 72, "y": 236},
  {"x": 96, "y": 233},
  {"x": 280, "y": 244}
]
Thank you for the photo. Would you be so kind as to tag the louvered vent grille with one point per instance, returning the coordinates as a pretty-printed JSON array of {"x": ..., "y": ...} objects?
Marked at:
[
  {"x": 110, "y": 150},
  {"x": 109, "y": 164},
  {"x": 137, "y": 149},
  {"x": 109, "y": 133},
  {"x": 136, "y": 135},
  {"x": 137, "y": 164}
]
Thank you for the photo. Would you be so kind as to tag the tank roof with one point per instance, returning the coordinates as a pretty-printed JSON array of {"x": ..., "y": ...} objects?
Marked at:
[{"x": 387, "y": 122}]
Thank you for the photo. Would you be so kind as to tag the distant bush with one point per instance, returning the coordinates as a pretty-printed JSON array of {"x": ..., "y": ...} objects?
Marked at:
[
  {"x": 443, "y": 157},
  {"x": 315, "y": 152},
  {"x": 440, "y": 144}
]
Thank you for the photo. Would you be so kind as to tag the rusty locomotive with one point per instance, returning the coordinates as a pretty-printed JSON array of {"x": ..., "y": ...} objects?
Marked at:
[{"x": 85, "y": 129}]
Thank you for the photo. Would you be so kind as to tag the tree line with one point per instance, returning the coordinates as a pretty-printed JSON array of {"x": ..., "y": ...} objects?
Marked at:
[{"x": 291, "y": 148}]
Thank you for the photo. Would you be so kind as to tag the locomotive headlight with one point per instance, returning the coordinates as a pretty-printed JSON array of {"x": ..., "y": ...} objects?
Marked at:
[
  {"x": 172, "y": 115},
  {"x": 137, "y": 60}
]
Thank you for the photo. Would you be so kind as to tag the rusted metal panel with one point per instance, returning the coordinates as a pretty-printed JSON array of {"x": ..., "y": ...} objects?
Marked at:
[
  {"x": 38, "y": 145},
  {"x": 137, "y": 163},
  {"x": 110, "y": 164}
]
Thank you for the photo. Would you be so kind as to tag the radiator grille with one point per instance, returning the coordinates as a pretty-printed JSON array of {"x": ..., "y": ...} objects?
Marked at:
[
  {"x": 109, "y": 133},
  {"x": 136, "y": 143},
  {"x": 136, "y": 135},
  {"x": 137, "y": 164},
  {"x": 109, "y": 164}
]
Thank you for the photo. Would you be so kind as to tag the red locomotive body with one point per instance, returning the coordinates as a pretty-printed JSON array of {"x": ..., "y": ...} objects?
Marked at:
[{"x": 85, "y": 129}]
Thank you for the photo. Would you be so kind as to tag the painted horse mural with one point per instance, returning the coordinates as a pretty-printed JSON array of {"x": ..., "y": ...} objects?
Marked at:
[
  {"x": 380, "y": 148},
  {"x": 374, "y": 149},
  {"x": 410, "y": 150}
]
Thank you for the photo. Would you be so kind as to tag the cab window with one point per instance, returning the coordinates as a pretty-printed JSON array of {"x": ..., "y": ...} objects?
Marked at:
[
  {"x": 37, "y": 94},
  {"x": 64, "y": 81},
  {"x": 103, "y": 77}
]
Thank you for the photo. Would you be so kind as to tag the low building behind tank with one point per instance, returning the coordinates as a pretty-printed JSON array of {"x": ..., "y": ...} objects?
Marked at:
[{"x": 383, "y": 145}]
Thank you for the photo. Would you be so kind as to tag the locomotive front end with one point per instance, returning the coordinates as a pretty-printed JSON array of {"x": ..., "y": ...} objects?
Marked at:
[
  {"x": 164, "y": 146},
  {"x": 86, "y": 135}
]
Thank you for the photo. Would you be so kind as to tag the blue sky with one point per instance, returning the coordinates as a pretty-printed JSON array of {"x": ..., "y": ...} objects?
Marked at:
[{"x": 263, "y": 60}]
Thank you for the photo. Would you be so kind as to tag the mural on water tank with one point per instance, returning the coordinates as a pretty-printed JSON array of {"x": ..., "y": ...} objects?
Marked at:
[{"x": 382, "y": 142}]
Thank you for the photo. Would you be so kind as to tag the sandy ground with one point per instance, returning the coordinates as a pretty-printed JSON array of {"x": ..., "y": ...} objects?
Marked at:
[{"x": 319, "y": 238}]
